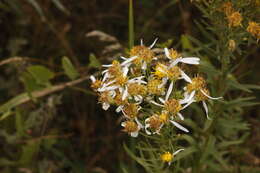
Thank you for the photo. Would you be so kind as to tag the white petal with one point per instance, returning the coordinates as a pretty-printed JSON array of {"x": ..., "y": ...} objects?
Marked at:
[
  {"x": 213, "y": 98},
  {"x": 190, "y": 60},
  {"x": 164, "y": 81},
  {"x": 125, "y": 93},
  {"x": 109, "y": 83},
  {"x": 125, "y": 71},
  {"x": 154, "y": 42},
  {"x": 206, "y": 109},
  {"x": 119, "y": 109},
  {"x": 176, "y": 61},
  {"x": 134, "y": 134},
  {"x": 141, "y": 42},
  {"x": 157, "y": 104},
  {"x": 103, "y": 72},
  {"x": 176, "y": 152},
  {"x": 187, "y": 97},
  {"x": 180, "y": 115},
  {"x": 144, "y": 66},
  {"x": 167, "y": 53},
  {"x": 123, "y": 124},
  {"x": 108, "y": 88},
  {"x": 105, "y": 77},
  {"x": 190, "y": 102},
  {"x": 105, "y": 106},
  {"x": 92, "y": 78},
  {"x": 179, "y": 126},
  {"x": 129, "y": 60},
  {"x": 123, "y": 58},
  {"x": 185, "y": 77},
  {"x": 107, "y": 65},
  {"x": 169, "y": 91},
  {"x": 161, "y": 100}
]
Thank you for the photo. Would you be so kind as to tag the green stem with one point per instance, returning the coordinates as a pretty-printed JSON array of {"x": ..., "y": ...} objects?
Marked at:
[{"x": 131, "y": 25}]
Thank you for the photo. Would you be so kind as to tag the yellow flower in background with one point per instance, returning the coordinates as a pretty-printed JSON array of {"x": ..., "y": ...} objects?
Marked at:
[
  {"x": 227, "y": 8},
  {"x": 234, "y": 19},
  {"x": 168, "y": 157},
  {"x": 231, "y": 45},
  {"x": 254, "y": 29}
]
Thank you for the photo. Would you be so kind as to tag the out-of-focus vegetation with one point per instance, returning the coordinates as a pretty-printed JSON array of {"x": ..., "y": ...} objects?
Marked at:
[{"x": 50, "y": 120}]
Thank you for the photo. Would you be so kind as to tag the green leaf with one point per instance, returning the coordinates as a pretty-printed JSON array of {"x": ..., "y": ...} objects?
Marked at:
[
  {"x": 41, "y": 74},
  {"x": 93, "y": 61},
  {"x": 137, "y": 159},
  {"x": 28, "y": 151},
  {"x": 188, "y": 151},
  {"x": 186, "y": 44},
  {"x": 69, "y": 69},
  {"x": 131, "y": 24},
  {"x": 19, "y": 123},
  {"x": 5, "y": 115}
]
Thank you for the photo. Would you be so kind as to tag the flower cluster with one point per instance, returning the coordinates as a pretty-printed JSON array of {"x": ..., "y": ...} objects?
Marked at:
[
  {"x": 151, "y": 91},
  {"x": 234, "y": 19}
]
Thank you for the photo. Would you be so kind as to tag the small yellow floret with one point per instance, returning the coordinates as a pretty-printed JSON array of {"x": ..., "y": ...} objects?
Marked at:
[
  {"x": 97, "y": 84},
  {"x": 154, "y": 122},
  {"x": 153, "y": 87},
  {"x": 143, "y": 53},
  {"x": 196, "y": 84},
  {"x": 254, "y": 29},
  {"x": 137, "y": 89},
  {"x": 160, "y": 70},
  {"x": 164, "y": 117},
  {"x": 173, "y": 106},
  {"x": 174, "y": 73},
  {"x": 174, "y": 54},
  {"x": 167, "y": 157},
  {"x": 115, "y": 69},
  {"x": 227, "y": 8},
  {"x": 234, "y": 19},
  {"x": 199, "y": 96},
  {"x": 131, "y": 110},
  {"x": 130, "y": 126}
]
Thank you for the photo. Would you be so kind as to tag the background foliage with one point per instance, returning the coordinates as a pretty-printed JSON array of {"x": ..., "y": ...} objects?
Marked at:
[{"x": 50, "y": 119}]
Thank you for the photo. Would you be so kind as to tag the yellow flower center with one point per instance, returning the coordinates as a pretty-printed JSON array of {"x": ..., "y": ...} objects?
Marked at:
[
  {"x": 227, "y": 8},
  {"x": 130, "y": 127},
  {"x": 234, "y": 19},
  {"x": 143, "y": 53},
  {"x": 118, "y": 99},
  {"x": 97, "y": 84},
  {"x": 131, "y": 110},
  {"x": 105, "y": 97},
  {"x": 200, "y": 96},
  {"x": 154, "y": 122},
  {"x": 173, "y": 106},
  {"x": 174, "y": 73},
  {"x": 160, "y": 70},
  {"x": 167, "y": 157},
  {"x": 153, "y": 87},
  {"x": 254, "y": 29},
  {"x": 115, "y": 69},
  {"x": 163, "y": 117},
  {"x": 174, "y": 54},
  {"x": 121, "y": 80},
  {"x": 137, "y": 89},
  {"x": 196, "y": 84}
]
